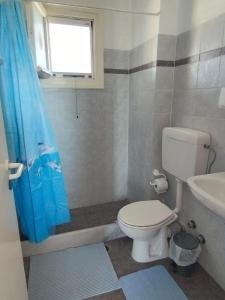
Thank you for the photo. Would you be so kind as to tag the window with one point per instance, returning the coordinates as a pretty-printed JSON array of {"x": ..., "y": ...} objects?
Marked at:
[
  {"x": 70, "y": 46},
  {"x": 67, "y": 42}
]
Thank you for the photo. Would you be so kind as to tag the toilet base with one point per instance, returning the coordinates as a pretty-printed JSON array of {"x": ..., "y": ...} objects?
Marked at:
[{"x": 146, "y": 251}]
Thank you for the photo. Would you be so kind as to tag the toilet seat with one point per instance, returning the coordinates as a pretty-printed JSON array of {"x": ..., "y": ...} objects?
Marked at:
[{"x": 146, "y": 214}]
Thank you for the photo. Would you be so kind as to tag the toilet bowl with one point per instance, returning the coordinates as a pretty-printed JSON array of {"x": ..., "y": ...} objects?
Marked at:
[
  {"x": 146, "y": 223},
  {"x": 184, "y": 154}
]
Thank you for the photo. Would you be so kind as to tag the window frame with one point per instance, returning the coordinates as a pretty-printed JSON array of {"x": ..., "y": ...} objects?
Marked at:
[
  {"x": 96, "y": 17},
  {"x": 70, "y": 21}
]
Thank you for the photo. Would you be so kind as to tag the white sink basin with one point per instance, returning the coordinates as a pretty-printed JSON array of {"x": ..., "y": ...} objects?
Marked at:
[{"x": 210, "y": 191}]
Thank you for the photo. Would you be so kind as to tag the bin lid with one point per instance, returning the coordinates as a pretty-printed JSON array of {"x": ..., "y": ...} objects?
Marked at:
[{"x": 186, "y": 240}]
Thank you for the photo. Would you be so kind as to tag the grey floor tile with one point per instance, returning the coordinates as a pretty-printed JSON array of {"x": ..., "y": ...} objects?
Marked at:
[
  {"x": 198, "y": 287},
  {"x": 92, "y": 216}
]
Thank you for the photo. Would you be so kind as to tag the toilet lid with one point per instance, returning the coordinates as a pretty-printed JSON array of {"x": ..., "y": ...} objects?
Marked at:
[{"x": 145, "y": 213}]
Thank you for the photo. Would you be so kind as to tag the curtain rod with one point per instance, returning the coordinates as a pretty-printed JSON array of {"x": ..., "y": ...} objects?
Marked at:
[
  {"x": 156, "y": 14},
  {"x": 121, "y": 10}
]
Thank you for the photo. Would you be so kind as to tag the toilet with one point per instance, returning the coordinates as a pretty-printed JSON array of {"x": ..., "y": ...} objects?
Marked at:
[{"x": 184, "y": 154}]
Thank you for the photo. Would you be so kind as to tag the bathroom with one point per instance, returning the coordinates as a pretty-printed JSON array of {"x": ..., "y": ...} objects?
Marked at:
[{"x": 155, "y": 65}]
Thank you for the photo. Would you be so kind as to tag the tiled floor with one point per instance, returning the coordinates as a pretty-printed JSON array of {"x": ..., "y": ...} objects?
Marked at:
[
  {"x": 91, "y": 216},
  {"x": 198, "y": 287}
]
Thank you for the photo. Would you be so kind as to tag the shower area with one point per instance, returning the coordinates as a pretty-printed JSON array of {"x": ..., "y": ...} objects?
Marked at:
[
  {"x": 92, "y": 136},
  {"x": 95, "y": 127}
]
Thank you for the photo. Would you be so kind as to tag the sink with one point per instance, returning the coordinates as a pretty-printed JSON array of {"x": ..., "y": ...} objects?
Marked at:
[{"x": 210, "y": 191}]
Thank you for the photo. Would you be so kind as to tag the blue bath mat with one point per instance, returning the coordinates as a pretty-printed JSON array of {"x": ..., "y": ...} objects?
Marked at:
[
  {"x": 151, "y": 284},
  {"x": 72, "y": 274}
]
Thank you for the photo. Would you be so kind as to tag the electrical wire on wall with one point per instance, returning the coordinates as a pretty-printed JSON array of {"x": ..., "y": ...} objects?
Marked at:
[
  {"x": 211, "y": 159},
  {"x": 210, "y": 164}
]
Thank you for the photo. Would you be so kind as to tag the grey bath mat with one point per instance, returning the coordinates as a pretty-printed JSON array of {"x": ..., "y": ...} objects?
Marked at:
[
  {"x": 152, "y": 284},
  {"x": 72, "y": 274}
]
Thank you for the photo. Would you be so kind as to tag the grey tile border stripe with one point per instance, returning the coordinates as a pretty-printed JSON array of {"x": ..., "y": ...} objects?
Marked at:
[
  {"x": 207, "y": 55},
  {"x": 153, "y": 64},
  {"x": 165, "y": 63},
  {"x": 150, "y": 65},
  {"x": 210, "y": 54},
  {"x": 170, "y": 63},
  {"x": 222, "y": 51},
  {"x": 116, "y": 71},
  {"x": 188, "y": 60}
]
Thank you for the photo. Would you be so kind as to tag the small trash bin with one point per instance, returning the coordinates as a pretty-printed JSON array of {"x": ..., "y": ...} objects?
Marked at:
[{"x": 184, "y": 251}]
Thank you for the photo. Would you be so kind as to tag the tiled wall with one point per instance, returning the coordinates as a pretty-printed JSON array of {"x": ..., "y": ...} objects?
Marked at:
[
  {"x": 193, "y": 88},
  {"x": 151, "y": 96},
  {"x": 199, "y": 76},
  {"x": 197, "y": 84},
  {"x": 94, "y": 147}
]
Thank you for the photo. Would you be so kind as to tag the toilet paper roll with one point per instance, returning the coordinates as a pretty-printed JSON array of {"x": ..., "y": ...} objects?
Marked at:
[{"x": 160, "y": 185}]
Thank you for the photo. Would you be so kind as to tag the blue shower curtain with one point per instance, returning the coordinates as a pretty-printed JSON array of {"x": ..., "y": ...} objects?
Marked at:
[{"x": 40, "y": 195}]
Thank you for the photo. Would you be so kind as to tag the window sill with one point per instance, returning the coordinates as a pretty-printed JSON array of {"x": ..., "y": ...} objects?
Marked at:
[{"x": 74, "y": 83}]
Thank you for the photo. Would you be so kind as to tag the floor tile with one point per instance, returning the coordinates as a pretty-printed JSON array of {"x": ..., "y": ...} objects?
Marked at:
[
  {"x": 200, "y": 286},
  {"x": 91, "y": 216}
]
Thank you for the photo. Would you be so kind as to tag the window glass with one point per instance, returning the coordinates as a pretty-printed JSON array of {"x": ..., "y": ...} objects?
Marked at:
[{"x": 70, "y": 47}]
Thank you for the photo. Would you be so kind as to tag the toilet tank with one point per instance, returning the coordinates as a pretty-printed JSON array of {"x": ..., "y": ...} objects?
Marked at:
[{"x": 184, "y": 152}]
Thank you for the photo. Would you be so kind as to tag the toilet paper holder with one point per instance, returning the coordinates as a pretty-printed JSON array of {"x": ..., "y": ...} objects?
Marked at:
[
  {"x": 156, "y": 173},
  {"x": 159, "y": 182}
]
